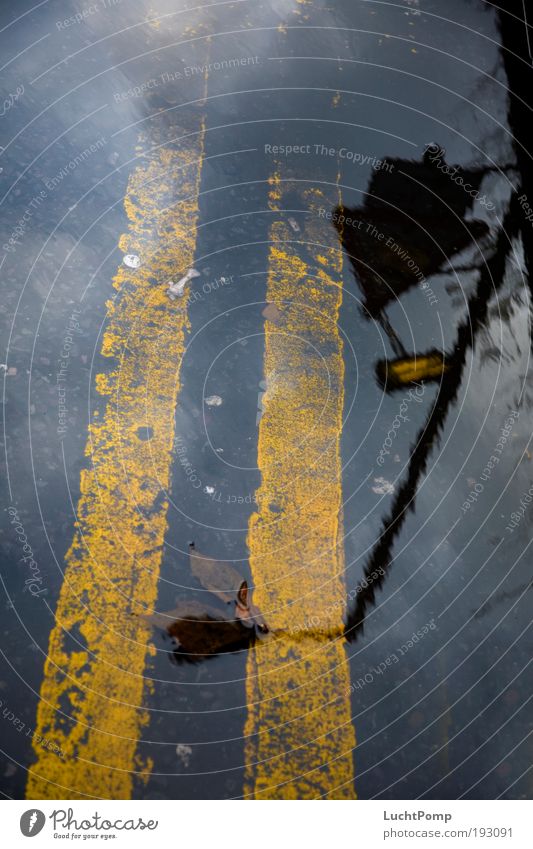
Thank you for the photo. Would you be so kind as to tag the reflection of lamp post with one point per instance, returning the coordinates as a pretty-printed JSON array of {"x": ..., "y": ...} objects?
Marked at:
[{"x": 490, "y": 280}]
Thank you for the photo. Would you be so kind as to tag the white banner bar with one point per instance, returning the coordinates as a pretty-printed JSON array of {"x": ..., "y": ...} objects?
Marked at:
[{"x": 259, "y": 825}]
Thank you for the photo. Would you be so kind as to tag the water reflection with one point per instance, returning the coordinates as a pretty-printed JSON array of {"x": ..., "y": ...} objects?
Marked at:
[
  {"x": 516, "y": 58},
  {"x": 410, "y": 227},
  {"x": 416, "y": 211}
]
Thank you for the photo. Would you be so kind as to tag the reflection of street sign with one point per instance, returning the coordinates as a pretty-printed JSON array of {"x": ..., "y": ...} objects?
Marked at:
[{"x": 404, "y": 371}]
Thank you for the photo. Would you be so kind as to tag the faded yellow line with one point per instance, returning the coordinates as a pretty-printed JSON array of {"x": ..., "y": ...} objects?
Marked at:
[
  {"x": 299, "y": 732},
  {"x": 112, "y": 566}
]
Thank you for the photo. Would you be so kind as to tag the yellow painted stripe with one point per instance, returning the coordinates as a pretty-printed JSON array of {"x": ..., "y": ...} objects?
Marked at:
[
  {"x": 299, "y": 732},
  {"x": 112, "y": 567}
]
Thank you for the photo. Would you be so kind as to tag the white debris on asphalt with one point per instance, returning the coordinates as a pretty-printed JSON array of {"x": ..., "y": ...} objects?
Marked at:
[
  {"x": 213, "y": 401},
  {"x": 411, "y": 11},
  {"x": 184, "y": 753},
  {"x": 382, "y": 487},
  {"x": 131, "y": 260},
  {"x": 176, "y": 290}
]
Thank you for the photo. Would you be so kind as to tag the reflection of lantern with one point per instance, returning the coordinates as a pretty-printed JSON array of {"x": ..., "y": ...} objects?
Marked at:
[
  {"x": 411, "y": 224},
  {"x": 404, "y": 371}
]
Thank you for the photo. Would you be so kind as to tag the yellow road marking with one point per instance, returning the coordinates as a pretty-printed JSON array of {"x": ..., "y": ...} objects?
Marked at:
[
  {"x": 299, "y": 732},
  {"x": 113, "y": 564}
]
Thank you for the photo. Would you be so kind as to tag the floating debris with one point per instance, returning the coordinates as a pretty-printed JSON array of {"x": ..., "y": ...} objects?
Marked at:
[
  {"x": 411, "y": 10},
  {"x": 131, "y": 260},
  {"x": 184, "y": 754},
  {"x": 176, "y": 290},
  {"x": 382, "y": 487},
  {"x": 12, "y": 371},
  {"x": 209, "y": 490},
  {"x": 294, "y": 224},
  {"x": 213, "y": 401},
  {"x": 273, "y": 313}
]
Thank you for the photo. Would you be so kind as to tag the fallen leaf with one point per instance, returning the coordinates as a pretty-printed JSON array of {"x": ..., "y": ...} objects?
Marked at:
[
  {"x": 218, "y": 577},
  {"x": 273, "y": 314}
]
